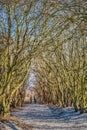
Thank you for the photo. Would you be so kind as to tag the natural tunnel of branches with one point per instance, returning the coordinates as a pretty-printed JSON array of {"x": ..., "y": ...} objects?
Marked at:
[{"x": 51, "y": 36}]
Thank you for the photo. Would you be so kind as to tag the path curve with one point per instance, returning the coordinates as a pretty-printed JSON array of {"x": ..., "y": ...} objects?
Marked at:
[{"x": 44, "y": 117}]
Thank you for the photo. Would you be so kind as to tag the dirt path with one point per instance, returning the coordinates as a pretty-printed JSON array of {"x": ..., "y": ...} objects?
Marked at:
[{"x": 44, "y": 117}]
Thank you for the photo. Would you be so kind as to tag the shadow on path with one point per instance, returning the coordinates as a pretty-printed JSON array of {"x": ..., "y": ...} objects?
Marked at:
[
  {"x": 45, "y": 117},
  {"x": 7, "y": 125}
]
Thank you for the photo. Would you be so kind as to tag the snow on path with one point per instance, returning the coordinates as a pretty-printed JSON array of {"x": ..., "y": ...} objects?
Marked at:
[{"x": 44, "y": 117}]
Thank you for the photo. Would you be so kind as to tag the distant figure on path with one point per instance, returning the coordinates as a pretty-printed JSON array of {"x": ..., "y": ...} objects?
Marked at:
[
  {"x": 34, "y": 99},
  {"x": 30, "y": 99}
]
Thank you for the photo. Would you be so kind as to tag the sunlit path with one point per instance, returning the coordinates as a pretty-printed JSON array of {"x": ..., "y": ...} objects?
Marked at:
[{"x": 44, "y": 117}]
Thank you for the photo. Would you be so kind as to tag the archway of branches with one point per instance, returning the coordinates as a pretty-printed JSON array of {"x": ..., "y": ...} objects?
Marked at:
[{"x": 51, "y": 38}]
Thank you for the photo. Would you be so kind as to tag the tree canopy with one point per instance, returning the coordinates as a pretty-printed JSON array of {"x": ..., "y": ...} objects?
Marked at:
[{"x": 51, "y": 35}]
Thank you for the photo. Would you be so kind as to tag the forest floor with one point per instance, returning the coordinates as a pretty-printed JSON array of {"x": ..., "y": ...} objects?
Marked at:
[{"x": 45, "y": 117}]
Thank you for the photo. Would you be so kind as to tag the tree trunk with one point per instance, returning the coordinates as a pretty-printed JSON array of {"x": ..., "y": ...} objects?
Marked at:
[{"x": 6, "y": 107}]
